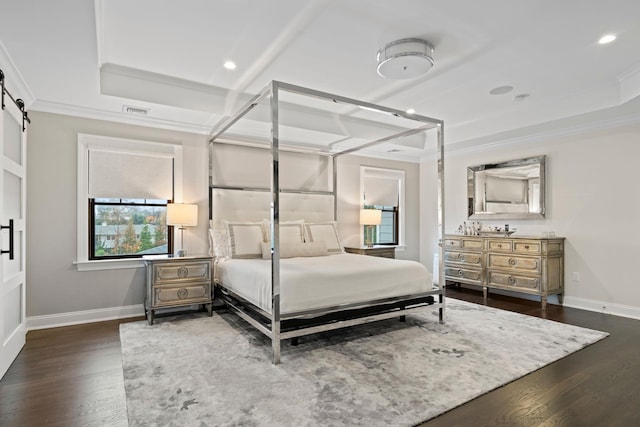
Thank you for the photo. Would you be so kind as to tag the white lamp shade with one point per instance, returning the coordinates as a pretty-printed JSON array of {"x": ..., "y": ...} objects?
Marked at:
[
  {"x": 182, "y": 214},
  {"x": 370, "y": 216}
]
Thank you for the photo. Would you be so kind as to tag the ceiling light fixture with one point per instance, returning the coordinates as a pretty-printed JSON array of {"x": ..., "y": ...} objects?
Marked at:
[
  {"x": 405, "y": 58},
  {"x": 230, "y": 65},
  {"x": 607, "y": 39},
  {"x": 411, "y": 111}
]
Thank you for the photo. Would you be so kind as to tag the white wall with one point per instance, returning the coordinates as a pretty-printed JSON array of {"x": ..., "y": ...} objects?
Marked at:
[
  {"x": 592, "y": 200},
  {"x": 349, "y": 199},
  {"x": 53, "y": 283},
  {"x": 58, "y": 293}
]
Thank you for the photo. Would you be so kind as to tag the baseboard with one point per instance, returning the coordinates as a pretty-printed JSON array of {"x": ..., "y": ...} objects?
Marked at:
[
  {"x": 602, "y": 307},
  {"x": 573, "y": 302},
  {"x": 85, "y": 316}
]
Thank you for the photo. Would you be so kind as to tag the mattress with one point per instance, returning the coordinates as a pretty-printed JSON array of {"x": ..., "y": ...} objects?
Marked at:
[{"x": 308, "y": 283}]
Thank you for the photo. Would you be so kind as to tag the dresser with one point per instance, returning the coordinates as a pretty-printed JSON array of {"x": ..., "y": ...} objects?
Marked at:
[
  {"x": 531, "y": 265},
  {"x": 383, "y": 251},
  {"x": 177, "y": 282}
]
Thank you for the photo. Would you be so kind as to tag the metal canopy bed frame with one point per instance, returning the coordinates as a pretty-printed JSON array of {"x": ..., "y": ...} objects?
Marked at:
[{"x": 281, "y": 326}]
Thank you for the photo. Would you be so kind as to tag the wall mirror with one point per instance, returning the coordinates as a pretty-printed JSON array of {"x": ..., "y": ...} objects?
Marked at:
[{"x": 507, "y": 190}]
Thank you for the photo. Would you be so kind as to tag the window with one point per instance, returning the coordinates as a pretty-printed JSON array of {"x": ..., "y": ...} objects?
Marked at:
[
  {"x": 123, "y": 190},
  {"x": 121, "y": 228},
  {"x": 383, "y": 189},
  {"x": 387, "y": 232}
]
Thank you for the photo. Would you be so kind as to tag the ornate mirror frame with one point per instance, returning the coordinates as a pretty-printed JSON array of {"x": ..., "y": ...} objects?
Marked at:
[{"x": 514, "y": 189}]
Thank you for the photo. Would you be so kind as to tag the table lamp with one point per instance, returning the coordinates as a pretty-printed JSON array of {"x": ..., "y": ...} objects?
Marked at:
[
  {"x": 369, "y": 218},
  {"x": 182, "y": 215}
]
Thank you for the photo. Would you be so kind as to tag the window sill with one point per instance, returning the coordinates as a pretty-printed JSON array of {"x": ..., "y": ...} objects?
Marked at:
[{"x": 108, "y": 264}]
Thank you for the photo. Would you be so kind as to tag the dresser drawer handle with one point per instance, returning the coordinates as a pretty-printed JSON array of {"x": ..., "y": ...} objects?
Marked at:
[
  {"x": 461, "y": 257},
  {"x": 526, "y": 246},
  {"x": 500, "y": 245},
  {"x": 511, "y": 280},
  {"x": 183, "y": 272},
  {"x": 460, "y": 273},
  {"x": 452, "y": 243},
  {"x": 512, "y": 262},
  {"x": 183, "y": 293}
]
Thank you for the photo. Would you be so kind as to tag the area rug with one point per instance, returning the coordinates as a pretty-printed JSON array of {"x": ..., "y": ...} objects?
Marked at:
[{"x": 199, "y": 371}]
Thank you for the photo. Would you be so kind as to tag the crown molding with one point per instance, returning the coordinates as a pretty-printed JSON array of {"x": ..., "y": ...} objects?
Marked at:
[
  {"x": 571, "y": 126},
  {"x": 104, "y": 115},
  {"x": 14, "y": 80},
  {"x": 629, "y": 83}
]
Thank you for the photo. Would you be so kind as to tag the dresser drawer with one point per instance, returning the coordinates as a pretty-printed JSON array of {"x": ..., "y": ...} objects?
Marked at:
[
  {"x": 512, "y": 262},
  {"x": 527, "y": 247},
  {"x": 469, "y": 243},
  {"x": 172, "y": 273},
  {"x": 465, "y": 258},
  {"x": 467, "y": 275},
  {"x": 513, "y": 281},
  {"x": 182, "y": 295},
  {"x": 496, "y": 245}
]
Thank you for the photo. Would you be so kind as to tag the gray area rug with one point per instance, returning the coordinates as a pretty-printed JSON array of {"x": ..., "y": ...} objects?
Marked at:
[{"x": 195, "y": 370}]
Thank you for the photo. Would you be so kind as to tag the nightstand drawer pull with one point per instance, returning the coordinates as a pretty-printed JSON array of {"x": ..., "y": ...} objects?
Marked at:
[
  {"x": 512, "y": 262},
  {"x": 183, "y": 272},
  {"x": 460, "y": 273},
  {"x": 526, "y": 246}
]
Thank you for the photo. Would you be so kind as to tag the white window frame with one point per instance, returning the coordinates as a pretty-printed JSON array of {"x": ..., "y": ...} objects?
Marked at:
[
  {"x": 87, "y": 142},
  {"x": 387, "y": 173}
]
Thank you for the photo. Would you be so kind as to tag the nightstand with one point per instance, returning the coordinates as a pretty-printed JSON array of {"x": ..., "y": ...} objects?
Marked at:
[
  {"x": 177, "y": 282},
  {"x": 382, "y": 251}
]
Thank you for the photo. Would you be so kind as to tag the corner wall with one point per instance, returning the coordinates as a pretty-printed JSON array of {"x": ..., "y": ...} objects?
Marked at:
[
  {"x": 592, "y": 200},
  {"x": 57, "y": 293},
  {"x": 54, "y": 285}
]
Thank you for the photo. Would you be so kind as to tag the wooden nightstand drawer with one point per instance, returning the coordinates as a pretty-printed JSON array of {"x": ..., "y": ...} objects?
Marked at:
[
  {"x": 177, "y": 281},
  {"x": 171, "y": 273},
  {"x": 182, "y": 295}
]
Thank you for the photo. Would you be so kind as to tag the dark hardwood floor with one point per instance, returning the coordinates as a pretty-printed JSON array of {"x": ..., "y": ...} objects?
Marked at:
[{"x": 72, "y": 376}]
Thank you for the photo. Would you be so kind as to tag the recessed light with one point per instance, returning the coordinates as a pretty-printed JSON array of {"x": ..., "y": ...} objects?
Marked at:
[
  {"x": 607, "y": 39},
  {"x": 501, "y": 90},
  {"x": 411, "y": 111},
  {"x": 230, "y": 65}
]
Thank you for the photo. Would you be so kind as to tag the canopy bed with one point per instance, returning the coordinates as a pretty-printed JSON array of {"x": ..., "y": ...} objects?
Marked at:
[{"x": 280, "y": 264}]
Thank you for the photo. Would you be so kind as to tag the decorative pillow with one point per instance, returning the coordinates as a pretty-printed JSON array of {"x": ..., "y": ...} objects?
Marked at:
[
  {"x": 298, "y": 249},
  {"x": 245, "y": 239},
  {"x": 219, "y": 242},
  {"x": 291, "y": 232},
  {"x": 324, "y": 231}
]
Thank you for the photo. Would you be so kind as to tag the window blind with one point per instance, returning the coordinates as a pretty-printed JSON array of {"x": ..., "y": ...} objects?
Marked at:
[
  {"x": 120, "y": 174},
  {"x": 381, "y": 191}
]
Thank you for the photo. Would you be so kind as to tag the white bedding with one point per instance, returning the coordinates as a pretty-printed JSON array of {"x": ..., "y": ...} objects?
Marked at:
[{"x": 324, "y": 281}]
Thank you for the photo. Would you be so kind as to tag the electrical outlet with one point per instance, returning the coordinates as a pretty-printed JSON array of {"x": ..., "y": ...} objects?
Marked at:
[{"x": 576, "y": 276}]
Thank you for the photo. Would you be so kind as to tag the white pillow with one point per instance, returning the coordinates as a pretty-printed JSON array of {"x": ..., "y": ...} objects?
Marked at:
[
  {"x": 308, "y": 249},
  {"x": 324, "y": 231},
  {"x": 245, "y": 239},
  {"x": 291, "y": 232},
  {"x": 219, "y": 242}
]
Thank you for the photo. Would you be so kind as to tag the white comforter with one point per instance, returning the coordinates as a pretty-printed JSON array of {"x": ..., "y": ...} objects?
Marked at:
[{"x": 325, "y": 281}]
